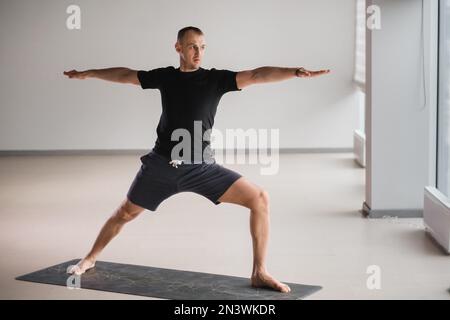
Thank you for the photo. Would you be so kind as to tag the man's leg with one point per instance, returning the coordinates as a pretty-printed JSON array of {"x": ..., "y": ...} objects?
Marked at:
[
  {"x": 126, "y": 212},
  {"x": 247, "y": 194}
]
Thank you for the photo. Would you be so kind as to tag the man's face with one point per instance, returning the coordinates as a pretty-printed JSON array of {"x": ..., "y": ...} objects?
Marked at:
[{"x": 191, "y": 49}]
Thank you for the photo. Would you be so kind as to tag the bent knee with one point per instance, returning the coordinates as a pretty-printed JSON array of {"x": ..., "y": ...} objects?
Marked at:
[
  {"x": 128, "y": 211},
  {"x": 260, "y": 200}
]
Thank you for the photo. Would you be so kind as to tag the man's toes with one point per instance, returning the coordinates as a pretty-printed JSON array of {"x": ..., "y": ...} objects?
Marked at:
[
  {"x": 81, "y": 267},
  {"x": 281, "y": 287},
  {"x": 269, "y": 281},
  {"x": 285, "y": 288},
  {"x": 74, "y": 269},
  {"x": 78, "y": 271},
  {"x": 277, "y": 285}
]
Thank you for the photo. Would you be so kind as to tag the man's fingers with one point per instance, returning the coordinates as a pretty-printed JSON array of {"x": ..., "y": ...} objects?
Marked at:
[
  {"x": 307, "y": 73},
  {"x": 304, "y": 72},
  {"x": 71, "y": 73},
  {"x": 320, "y": 72}
]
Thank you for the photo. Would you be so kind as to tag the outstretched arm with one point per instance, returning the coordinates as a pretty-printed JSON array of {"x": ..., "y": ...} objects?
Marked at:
[
  {"x": 120, "y": 75},
  {"x": 273, "y": 74}
]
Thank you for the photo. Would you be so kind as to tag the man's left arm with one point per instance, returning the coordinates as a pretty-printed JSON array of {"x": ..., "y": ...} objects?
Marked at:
[{"x": 273, "y": 74}]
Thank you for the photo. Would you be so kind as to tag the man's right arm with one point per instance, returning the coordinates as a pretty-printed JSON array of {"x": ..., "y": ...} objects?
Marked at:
[{"x": 120, "y": 75}]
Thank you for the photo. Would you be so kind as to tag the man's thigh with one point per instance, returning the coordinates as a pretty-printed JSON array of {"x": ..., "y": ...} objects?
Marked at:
[{"x": 242, "y": 192}]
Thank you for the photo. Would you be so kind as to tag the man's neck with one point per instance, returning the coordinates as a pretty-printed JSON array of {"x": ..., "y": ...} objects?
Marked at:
[{"x": 186, "y": 69}]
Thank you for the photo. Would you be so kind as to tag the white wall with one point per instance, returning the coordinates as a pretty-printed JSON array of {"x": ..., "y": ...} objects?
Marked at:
[
  {"x": 40, "y": 109},
  {"x": 399, "y": 137}
]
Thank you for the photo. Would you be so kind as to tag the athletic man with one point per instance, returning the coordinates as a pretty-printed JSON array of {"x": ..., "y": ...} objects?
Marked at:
[{"x": 191, "y": 94}]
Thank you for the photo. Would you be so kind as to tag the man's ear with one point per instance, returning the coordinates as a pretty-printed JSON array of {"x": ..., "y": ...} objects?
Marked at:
[{"x": 177, "y": 47}]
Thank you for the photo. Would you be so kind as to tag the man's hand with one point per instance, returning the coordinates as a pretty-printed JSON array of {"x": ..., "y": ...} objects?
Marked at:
[
  {"x": 303, "y": 73},
  {"x": 76, "y": 74}
]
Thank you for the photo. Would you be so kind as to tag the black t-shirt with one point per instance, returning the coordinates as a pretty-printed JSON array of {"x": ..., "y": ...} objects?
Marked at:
[{"x": 187, "y": 98}]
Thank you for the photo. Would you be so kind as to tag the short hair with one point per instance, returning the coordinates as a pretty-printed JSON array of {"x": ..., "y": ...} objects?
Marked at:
[{"x": 185, "y": 30}]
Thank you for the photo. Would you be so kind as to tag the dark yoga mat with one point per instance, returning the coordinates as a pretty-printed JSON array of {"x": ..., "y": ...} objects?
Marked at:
[{"x": 163, "y": 283}]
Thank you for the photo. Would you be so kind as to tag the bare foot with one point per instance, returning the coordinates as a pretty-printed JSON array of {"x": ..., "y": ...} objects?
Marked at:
[
  {"x": 263, "y": 279},
  {"x": 82, "y": 266}
]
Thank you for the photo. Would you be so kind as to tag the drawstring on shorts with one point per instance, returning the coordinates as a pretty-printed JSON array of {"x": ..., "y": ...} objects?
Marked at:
[{"x": 176, "y": 163}]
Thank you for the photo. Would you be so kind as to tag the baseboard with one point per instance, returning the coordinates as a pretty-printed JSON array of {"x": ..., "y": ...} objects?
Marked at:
[{"x": 399, "y": 213}]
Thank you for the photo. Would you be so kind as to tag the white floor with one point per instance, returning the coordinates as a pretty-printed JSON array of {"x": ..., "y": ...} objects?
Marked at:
[{"x": 52, "y": 207}]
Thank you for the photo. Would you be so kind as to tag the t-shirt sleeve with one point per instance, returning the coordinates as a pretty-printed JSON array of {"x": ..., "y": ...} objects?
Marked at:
[
  {"x": 227, "y": 81},
  {"x": 151, "y": 79}
]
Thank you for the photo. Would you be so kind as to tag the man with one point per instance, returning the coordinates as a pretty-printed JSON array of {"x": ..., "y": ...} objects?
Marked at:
[{"x": 190, "y": 93}]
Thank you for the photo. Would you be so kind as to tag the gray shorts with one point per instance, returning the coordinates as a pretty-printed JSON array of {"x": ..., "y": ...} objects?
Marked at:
[{"x": 157, "y": 180}]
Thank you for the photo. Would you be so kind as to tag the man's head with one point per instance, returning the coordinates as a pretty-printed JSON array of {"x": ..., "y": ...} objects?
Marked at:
[{"x": 191, "y": 46}]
